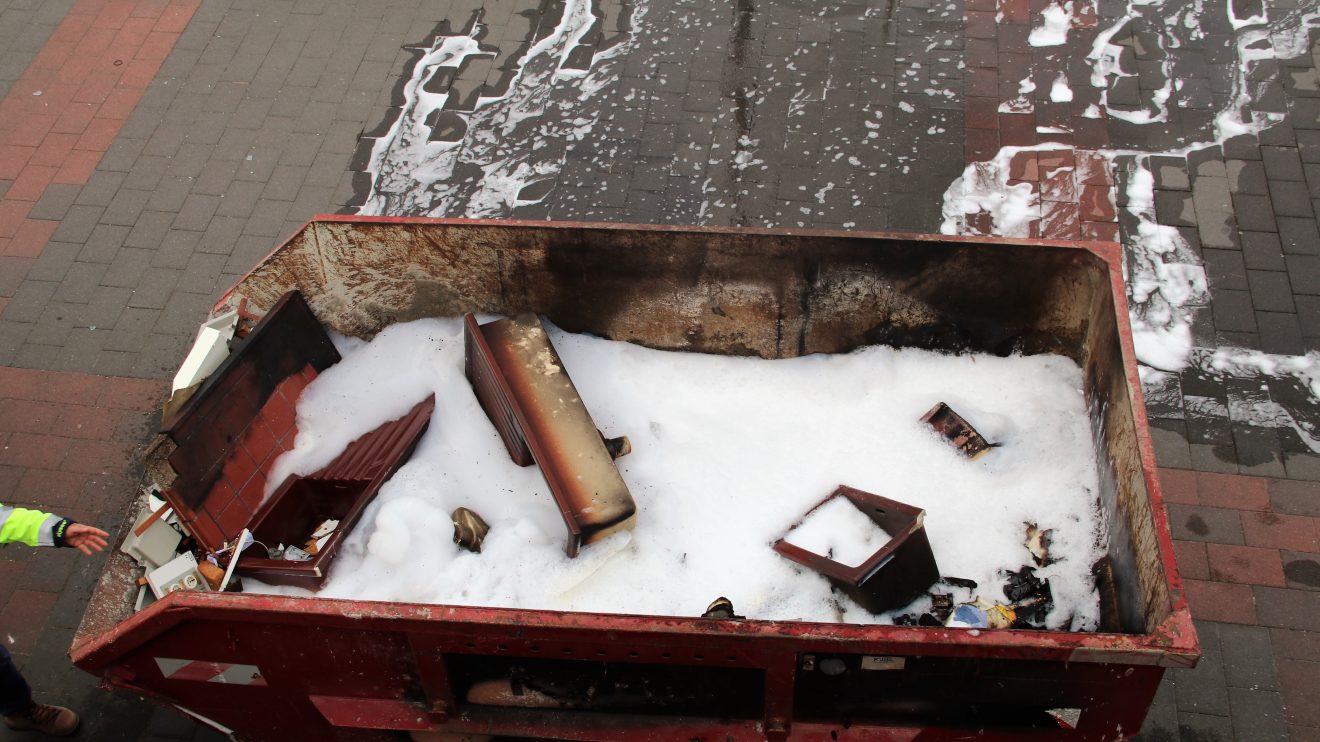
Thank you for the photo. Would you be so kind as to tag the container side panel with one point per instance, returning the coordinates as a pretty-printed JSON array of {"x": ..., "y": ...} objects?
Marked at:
[{"x": 1134, "y": 571}]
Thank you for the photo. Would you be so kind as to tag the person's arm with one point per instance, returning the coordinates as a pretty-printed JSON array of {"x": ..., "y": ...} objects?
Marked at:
[{"x": 35, "y": 528}]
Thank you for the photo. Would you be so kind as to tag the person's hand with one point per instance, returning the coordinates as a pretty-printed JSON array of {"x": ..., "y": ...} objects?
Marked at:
[{"x": 85, "y": 538}]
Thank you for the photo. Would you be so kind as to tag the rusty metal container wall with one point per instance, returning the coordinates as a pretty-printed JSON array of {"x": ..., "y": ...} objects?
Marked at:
[{"x": 771, "y": 294}]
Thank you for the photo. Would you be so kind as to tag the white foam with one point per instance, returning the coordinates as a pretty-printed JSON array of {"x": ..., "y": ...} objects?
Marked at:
[
  {"x": 1059, "y": 91},
  {"x": 1056, "y": 19},
  {"x": 727, "y": 454},
  {"x": 838, "y": 530}
]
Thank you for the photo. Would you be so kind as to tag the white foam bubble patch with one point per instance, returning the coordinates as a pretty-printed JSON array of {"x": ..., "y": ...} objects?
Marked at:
[
  {"x": 1055, "y": 22},
  {"x": 507, "y": 142},
  {"x": 1166, "y": 283}
]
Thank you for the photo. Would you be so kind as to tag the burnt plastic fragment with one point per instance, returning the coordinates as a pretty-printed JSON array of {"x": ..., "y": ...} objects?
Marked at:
[
  {"x": 469, "y": 530},
  {"x": 721, "y": 608},
  {"x": 617, "y": 447},
  {"x": 956, "y": 430},
  {"x": 941, "y": 605},
  {"x": 1030, "y": 596}
]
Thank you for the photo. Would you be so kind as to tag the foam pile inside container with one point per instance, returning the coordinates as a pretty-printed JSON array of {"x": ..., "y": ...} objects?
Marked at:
[{"x": 728, "y": 453}]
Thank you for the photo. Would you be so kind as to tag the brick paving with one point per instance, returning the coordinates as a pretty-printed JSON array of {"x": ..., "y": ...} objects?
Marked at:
[{"x": 132, "y": 193}]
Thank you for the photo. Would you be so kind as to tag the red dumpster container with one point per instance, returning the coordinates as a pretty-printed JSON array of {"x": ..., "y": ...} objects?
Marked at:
[{"x": 310, "y": 668}]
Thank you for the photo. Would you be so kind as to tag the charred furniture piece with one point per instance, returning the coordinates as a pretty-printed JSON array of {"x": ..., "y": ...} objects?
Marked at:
[
  {"x": 242, "y": 418},
  {"x": 894, "y": 575},
  {"x": 527, "y": 394}
]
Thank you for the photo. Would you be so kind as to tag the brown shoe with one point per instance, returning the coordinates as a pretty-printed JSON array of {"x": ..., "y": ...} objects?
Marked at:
[{"x": 56, "y": 721}]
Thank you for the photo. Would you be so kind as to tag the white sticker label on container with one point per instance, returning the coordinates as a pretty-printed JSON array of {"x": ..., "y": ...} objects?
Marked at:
[{"x": 883, "y": 662}]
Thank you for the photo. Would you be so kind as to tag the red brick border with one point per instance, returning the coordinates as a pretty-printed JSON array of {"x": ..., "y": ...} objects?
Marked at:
[{"x": 61, "y": 116}]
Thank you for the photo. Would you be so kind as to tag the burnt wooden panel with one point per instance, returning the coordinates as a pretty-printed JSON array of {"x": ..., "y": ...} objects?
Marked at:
[{"x": 211, "y": 423}]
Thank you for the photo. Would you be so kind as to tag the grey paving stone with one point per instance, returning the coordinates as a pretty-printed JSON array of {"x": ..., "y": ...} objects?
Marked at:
[
  {"x": 1270, "y": 291},
  {"x": 100, "y": 189},
  {"x": 239, "y": 199},
  {"x": 182, "y": 312},
  {"x": 36, "y": 355},
  {"x": 284, "y": 183},
  {"x": 104, "y": 308},
  {"x": 196, "y": 213},
  {"x": 159, "y": 357},
  {"x": 1282, "y": 163},
  {"x": 29, "y": 301},
  {"x": 146, "y": 172},
  {"x": 1258, "y": 715},
  {"x": 129, "y": 265},
  {"x": 1232, "y": 311},
  {"x": 1174, "y": 208},
  {"x": 1171, "y": 448},
  {"x": 55, "y": 202},
  {"x": 1288, "y": 608},
  {"x": 149, "y": 229},
  {"x": 1211, "y": 194},
  {"x": 200, "y": 276},
  {"x": 1225, "y": 269},
  {"x": 1247, "y": 176},
  {"x": 1247, "y": 657},
  {"x": 103, "y": 244},
  {"x": 172, "y": 724},
  {"x": 1280, "y": 333},
  {"x": 1254, "y": 213},
  {"x": 1305, "y": 113},
  {"x": 54, "y": 261},
  {"x": 215, "y": 178},
  {"x": 12, "y": 272},
  {"x": 131, "y": 329},
  {"x": 1214, "y": 458},
  {"x": 221, "y": 234},
  {"x": 1299, "y": 236},
  {"x": 1162, "y": 719},
  {"x": 79, "y": 282},
  {"x": 125, "y": 208},
  {"x": 1308, "y": 145},
  {"x": 1216, "y": 229},
  {"x": 1312, "y": 178},
  {"x": 267, "y": 218},
  {"x": 1203, "y": 689},
  {"x": 1304, "y": 273},
  {"x": 1301, "y": 569},
  {"x": 54, "y": 325},
  {"x": 1302, "y": 466},
  {"x": 1262, "y": 251},
  {"x": 176, "y": 249},
  {"x": 1195, "y": 523},
  {"x": 170, "y": 194},
  {"x": 155, "y": 288},
  {"x": 121, "y": 155},
  {"x": 1259, "y": 452},
  {"x": 1289, "y": 199},
  {"x": 77, "y": 224},
  {"x": 1308, "y": 315}
]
